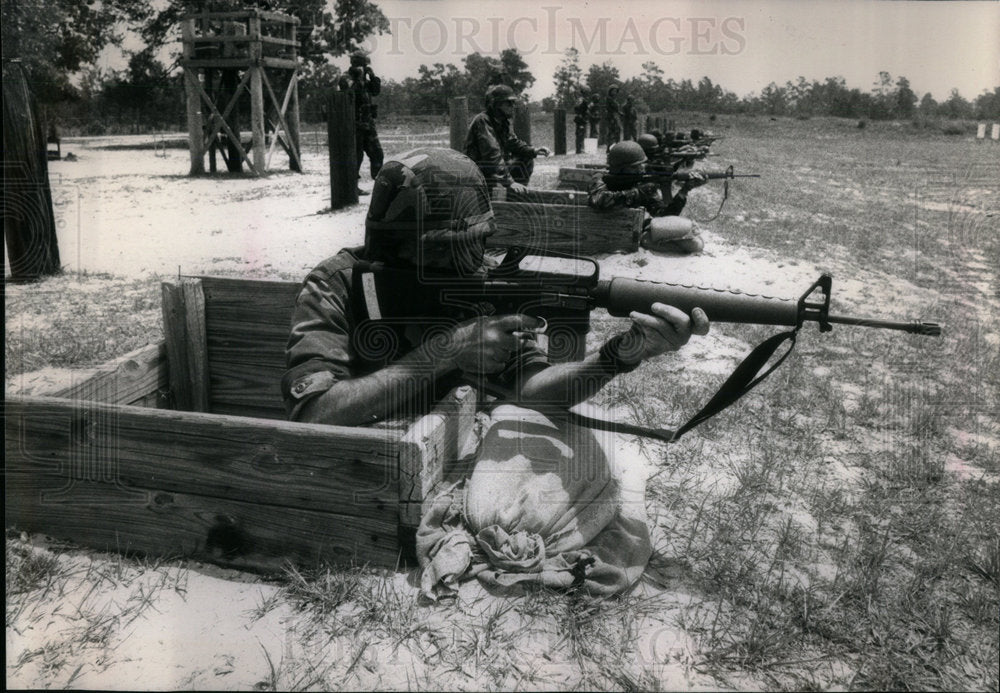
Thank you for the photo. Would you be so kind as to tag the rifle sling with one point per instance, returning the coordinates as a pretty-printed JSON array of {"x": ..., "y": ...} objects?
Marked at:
[{"x": 740, "y": 382}]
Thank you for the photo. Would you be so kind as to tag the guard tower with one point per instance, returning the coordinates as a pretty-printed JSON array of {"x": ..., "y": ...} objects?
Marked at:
[{"x": 227, "y": 54}]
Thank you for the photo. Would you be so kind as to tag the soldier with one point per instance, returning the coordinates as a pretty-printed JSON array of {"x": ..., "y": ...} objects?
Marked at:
[
  {"x": 623, "y": 186},
  {"x": 504, "y": 159},
  {"x": 580, "y": 117},
  {"x": 430, "y": 212},
  {"x": 612, "y": 114},
  {"x": 630, "y": 119},
  {"x": 361, "y": 81},
  {"x": 594, "y": 115}
]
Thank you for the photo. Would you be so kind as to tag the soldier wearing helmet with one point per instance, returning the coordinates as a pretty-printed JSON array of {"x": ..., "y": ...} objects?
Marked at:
[
  {"x": 623, "y": 186},
  {"x": 504, "y": 159},
  {"x": 361, "y": 81},
  {"x": 581, "y": 117},
  {"x": 613, "y": 116},
  {"x": 630, "y": 119},
  {"x": 430, "y": 211}
]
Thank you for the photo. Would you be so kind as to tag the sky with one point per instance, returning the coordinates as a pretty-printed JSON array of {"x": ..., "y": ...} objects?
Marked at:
[{"x": 741, "y": 45}]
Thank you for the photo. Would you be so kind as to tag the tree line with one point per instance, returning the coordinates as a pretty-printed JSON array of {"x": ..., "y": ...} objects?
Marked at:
[{"x": 60, "y": 41}]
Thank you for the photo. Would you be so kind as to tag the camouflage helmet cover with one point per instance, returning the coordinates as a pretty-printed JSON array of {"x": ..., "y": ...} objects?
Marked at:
[
  {"x": 360, "y": 59},
  {"x": 497, "y": 93},
  {"x": 427, "y": 205},
  {"x": 624, "y": 154},
  {"x": 649, "y": 143}
]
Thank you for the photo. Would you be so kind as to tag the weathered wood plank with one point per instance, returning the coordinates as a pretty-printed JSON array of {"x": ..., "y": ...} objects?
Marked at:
[
  {"x": 134, "y": 377},
  {"x": 247, "y": 390},
  {"x": 566, "y": 228},
  {"x": 576, "y": 178},
  {"x": 548, "y": 197},
  {"x": 351, "y": 470},
  {"x": 187, "y": 351},
  {"x": 433, "y": 442},
  {"x": 163, "y": 523}
]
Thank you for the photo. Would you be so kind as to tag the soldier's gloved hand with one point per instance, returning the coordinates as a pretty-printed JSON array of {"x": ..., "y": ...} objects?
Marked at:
[
  {"x": 485, "y": 344},
  {"x": 698, "y": 178},
  {"x": 542, "y": 151},
  {"x": 665, "y": 329},
  {"x": 517, "y": 188}
]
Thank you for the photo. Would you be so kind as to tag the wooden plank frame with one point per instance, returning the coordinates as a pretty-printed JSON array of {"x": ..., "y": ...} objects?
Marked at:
[
  {"x": 86, "y": 464},
  {"x": 574, "y": 229}
]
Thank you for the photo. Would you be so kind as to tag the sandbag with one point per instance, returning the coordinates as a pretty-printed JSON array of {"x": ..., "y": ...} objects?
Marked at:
[{"x": 543, "y": 504}]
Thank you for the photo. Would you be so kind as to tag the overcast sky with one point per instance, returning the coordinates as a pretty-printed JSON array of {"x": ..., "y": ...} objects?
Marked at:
[{"x": 740, "y": 44}]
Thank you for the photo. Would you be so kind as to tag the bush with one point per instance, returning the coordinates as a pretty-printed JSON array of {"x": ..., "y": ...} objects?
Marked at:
[{"x": 954, "y": 127}]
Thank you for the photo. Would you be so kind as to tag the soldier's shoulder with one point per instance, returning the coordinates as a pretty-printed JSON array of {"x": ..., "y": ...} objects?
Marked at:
[{"x": 338, "y": 265}]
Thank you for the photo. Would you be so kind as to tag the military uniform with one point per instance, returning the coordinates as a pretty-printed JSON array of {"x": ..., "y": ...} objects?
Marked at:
[
  {"x": 580, "y": 112},
  {"x": 630, "y": 120},
  {"x": 612, "y": 110},
  {"x": 502, "y": 157},
  {"x": 328, "y": 344},
  {"x": 609, "y": 192},
  {"x": 365, "y": 137}
]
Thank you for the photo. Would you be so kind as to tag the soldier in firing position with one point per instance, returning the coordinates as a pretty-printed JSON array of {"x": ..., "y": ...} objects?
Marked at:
[
  {"x": 430, "y": 209},
  {"x": 623, "y": 186}
]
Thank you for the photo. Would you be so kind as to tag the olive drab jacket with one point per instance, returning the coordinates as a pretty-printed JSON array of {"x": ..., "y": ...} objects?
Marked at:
[{"x": 492, "y": 144}]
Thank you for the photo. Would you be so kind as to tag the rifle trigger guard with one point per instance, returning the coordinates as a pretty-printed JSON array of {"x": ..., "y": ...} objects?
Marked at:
[{"x": 817, "y": 311}]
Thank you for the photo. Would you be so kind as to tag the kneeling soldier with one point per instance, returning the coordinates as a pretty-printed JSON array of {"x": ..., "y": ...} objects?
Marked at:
[{"x": 626, "y": 185}]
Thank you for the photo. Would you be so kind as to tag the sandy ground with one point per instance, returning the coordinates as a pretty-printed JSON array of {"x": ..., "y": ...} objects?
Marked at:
[{"x": 136, "y": 213}]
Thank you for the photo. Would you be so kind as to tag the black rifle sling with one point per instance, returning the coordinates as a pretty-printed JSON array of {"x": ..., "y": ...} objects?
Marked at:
[{"x": 740, "y": 382}]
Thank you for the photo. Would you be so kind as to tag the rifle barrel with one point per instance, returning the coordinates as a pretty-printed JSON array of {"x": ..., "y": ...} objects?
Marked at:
[{"x": 931, "y": 329}]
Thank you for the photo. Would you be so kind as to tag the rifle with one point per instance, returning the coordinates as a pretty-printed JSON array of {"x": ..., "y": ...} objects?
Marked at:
[
  {"x": 682, "y": 176},
  {"x": 397, "y": 298}
]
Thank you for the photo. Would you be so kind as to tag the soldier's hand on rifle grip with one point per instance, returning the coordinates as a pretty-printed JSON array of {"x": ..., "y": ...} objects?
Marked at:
[
  {"x": 486, "y": 344},
  {"x": 666, "y": 329}
]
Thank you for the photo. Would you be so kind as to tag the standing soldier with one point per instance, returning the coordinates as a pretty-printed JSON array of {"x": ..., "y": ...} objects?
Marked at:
[
  {"x": 361, "y": 81},
  {"x": 580, "y": 118},
  {"x": 630, "y": 119},
  {"x": 594, "y": 114},
  {"x": 504, "y": 159},
  {"x": 612, "y": 111}
]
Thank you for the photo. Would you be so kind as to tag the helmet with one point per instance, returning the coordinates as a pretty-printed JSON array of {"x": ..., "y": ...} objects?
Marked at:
[
  {"x": 360, "y": 59},
  {"x": 696, "y": 135},
  {"x": 649, "y": 143},
  {"x": 430, "y": 207},
  {"x": 624, "y": 154},
  {"x": 613, "y": 87},
  {"x": 497, "y": 93}
]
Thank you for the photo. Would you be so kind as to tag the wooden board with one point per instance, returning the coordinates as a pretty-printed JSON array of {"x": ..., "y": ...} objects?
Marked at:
[
  {"x": 66, "y": 449},
  {"x": 577, "y": 178},
  {"x": 247, "y": 324},
  {"x": 567, "y": 228},
  {"x": 135, "y": 377},
  {"x": 170, "y": 524},
  {"x": 431, "y": 445},
  {"x": 547, "y": 197}
]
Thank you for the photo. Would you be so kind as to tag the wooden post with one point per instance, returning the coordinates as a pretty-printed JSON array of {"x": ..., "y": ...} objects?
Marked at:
[
  {"x": 196, "y": 133},
  {"x": 559, "y": 131},
  {"x": 187, "y": 347},
  {"x": 458, "y": 110},
  {"x": 28, "y": 221},
  {"x": 522, "y": 122},
  {"x": 257, "y": 96},
  {"x": 341, "y": 143},
  {"x": 294, "y": 125}
]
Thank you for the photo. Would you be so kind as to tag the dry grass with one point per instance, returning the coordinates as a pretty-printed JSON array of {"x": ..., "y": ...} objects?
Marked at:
[{"x": 836, "y": 529}]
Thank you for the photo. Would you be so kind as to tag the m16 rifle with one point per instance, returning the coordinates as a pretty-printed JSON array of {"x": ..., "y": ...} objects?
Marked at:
[{"x": 395, "y": 299}]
